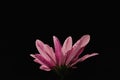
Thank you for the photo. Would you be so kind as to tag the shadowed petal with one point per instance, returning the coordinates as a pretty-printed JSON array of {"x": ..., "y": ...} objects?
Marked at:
[
  {"x": 43, "y": 67},
  {"x": 58, "y": 53},
  {"x": 82, "y": 42},
  {"x": 84, "y": 58}
]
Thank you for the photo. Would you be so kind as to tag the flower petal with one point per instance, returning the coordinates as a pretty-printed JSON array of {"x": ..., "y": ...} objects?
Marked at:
[
  {"x": 44, "y": 61},
  {"x": 82, "y": 42},
  {"x": 51, "y": 54},
  {"x": 32, "y": 55},
  {"x": 36, "y": 59},
  {"x": 58, "y": 53},
  {"x": 43, "y": 67},
  {"x": 84, "y": 58},
  {"x": 67, "y": 45},
  {"x": 77, "y": 55},
  {"x": 41, "y": 49}
]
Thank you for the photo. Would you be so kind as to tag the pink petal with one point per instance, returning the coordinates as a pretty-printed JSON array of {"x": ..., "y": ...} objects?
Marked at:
[
  {"x": 67, "y": 57},
  {"x": 50, "y": 53},
  {"x": 84, "y": 58},
  {"x": 58, "y": 52},
  {"x": 43, "y": 67},
  {"x": 36, "y": 59},
  {"x": 67, "y": 45},
  {"x": 32, "y": 55},
  {"x": 44, "y": 61},
  {"x": 77, "y": 55},
  {"x": 41, "y": 49},
  {"x": 82, "y": 42}
]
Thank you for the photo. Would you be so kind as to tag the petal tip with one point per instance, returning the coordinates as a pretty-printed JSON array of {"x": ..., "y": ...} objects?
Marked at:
[
  {"x": 96, "y": 53},
  {"x": 32, "y": 55},
  {"x": 37, "y": 40},
  {"x": 87, "y": 36},
  {"x": 69, "y": 37},
  {"x": 54, "y": 37}
]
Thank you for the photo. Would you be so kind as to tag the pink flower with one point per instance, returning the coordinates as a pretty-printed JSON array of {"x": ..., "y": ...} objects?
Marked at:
[{"x": 63, "y": 55}]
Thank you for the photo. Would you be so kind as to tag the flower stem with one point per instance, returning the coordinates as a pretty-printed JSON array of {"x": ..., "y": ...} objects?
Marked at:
[{"x": 62, "y": 72}]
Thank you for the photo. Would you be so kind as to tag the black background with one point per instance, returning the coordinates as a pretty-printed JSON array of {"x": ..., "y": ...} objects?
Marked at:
[{"x": 22, "y": 26}]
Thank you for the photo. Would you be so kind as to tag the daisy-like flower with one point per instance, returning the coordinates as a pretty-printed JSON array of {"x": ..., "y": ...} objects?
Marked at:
[{"x": 63, "y": 56}]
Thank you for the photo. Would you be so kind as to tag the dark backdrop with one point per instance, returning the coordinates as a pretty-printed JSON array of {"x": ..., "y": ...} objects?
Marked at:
[{"x": 21, "y": 28}]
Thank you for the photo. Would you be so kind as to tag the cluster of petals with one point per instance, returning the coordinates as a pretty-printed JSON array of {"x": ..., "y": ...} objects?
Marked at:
[{"x": 62, "y": 55}]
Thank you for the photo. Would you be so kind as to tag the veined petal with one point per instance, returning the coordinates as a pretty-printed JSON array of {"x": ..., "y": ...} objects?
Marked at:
[
  {"x": 41, "y": 49},
  {"x": 84, "y": 58},
  {"x": 43, "y": 67},
  {"x": 82, "y": 42},
  {"x": 67, "y": 45},
  {"x": 58, "y": 52}
]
